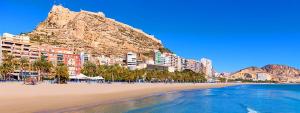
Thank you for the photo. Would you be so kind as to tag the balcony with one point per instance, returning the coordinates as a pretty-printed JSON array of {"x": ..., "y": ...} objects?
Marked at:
[
  {"x": 6, "y": 46},
  {"x": 7, "y": 43}
]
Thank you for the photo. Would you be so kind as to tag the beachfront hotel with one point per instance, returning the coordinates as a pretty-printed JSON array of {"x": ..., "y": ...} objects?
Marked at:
[{"x": 18, "y": 46}]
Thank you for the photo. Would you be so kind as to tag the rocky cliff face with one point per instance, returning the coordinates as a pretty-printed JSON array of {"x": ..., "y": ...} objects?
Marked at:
[
  {"x": 281, "y": 71},
  {"x": 92, "y": 32},
  {"x": 278, "y": 72}
]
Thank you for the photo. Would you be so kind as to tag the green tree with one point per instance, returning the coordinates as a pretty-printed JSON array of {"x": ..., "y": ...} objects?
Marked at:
[
  {"x": 149, "y": 75},
  {"x": 61, "y": 73},
  {"x": 101, "y": 70},
  {"x": 5, "y": 69},
  {"x": 114, "y": 71},
  {"x": 47, "y": 68},
  {"x": 24, "y": 65},
  {"x": 128, "y": 75},
  {"x": 223, "y": 80},
  {"x": 89, "y": 69},
  {"x": 8, "y": 66},
  {"x": 42, "y": 66},
  {"x": 141, "y": 74},
  {"x": 106, "y": 72}
]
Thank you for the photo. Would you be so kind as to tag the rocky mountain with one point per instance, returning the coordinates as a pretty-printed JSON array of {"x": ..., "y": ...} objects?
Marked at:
[
  {"x": 92, "y": 32},
  {"x": 277, "y": 72},
  {"x": 281, "y": 71},
  {"x": 249, "y": 72}
]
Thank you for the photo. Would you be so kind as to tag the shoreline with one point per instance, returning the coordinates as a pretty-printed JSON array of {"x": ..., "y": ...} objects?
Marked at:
[{"x": 75, "y": 96}]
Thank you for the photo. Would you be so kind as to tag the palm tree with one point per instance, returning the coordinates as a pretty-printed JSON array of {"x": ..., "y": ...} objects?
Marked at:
[
  {"x": 100, "y": 70},
  {"x": 113, "y": 71},
  {"x": 46, "y": 68},
  {"x": 149, "y": 75},
  {"x": 130, "y": 76},
  {"x": 105, "y": 72},
  {"x": 24, "y": 64},
  {"x": 140, "y": 74},
  {"x": 61, "y": 73},
  {"x": 37, "y": 66},
  {"x": 5, "y": 69},
  {"x": 89, "y": 69},
  {"x": 8, "y": 66},
  {"x": 42, "y": 66}
]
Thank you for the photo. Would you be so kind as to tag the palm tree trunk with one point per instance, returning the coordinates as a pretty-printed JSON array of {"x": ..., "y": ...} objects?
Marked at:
[
  {"x": 21, "y": 74},
  {"x": 39, "y": 75},
  {"x": 58, "y": 80}
]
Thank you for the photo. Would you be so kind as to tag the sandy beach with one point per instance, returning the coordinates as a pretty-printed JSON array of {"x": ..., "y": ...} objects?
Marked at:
[{"x": 19, "y": 98}]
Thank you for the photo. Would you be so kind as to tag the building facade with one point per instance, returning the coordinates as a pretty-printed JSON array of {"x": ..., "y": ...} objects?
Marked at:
[
  {"x": 131, "y": 60},
  {"x": 73, "y": 63},
  {"x": 166, "y": 59},
  {"x": 263, "y": 77},
  {"x": 160, "y": 68},
  {"x": 18, "y": 46},
  {"x": 207, "y": 67},
  {"x": 157, "y": 57},
  {"x": 176, "y": 62},
  {"x": 59, "y": 55},
  {"x": 84, "y": 57}
]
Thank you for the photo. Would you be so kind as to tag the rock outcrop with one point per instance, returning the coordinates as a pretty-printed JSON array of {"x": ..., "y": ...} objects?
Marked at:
[
  {"x": 247, "y": 73},
  {"x": 92, "y": 32},
  {"x": 279, "y": 73}
]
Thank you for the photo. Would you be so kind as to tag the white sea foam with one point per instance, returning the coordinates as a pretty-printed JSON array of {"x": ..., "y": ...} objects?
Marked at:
[{"x": 251, "y": 110}]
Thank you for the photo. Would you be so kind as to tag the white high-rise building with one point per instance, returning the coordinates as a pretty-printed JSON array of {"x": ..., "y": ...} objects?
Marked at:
[
  {"x": 131, "y": 60},
  {"x": 167, "y": 59},
  {"x": 84, "y": 57},
  {"x": 207, "y": 67},
  {"x": 191, "y": 64},
  {"x": 176, "y": 62},
  {"x": 198, "y": 66},
  {"x": 183, "y": 64}
]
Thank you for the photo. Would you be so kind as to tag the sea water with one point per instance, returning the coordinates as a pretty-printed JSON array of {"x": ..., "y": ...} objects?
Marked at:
[{"x": 267, "y": 98}]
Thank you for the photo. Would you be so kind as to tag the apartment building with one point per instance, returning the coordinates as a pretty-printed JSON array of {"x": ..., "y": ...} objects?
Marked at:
[
  {"x": 166, "y": 59},
  {"x": 131, "y": 60},
  {"x": 176, "y": 62},
  {"x": 19, "y": 46},
  {"x": 263, "y": 76},
  {"x": 198, "y": 67},
  {"x": 84, "y": 57},
  {"x": 207, "y": 67},
  {"x": 191, "y": 64},
  {"x": 58, "y": 55},
  {"x": 157, "y": 57},
  {"x": 73, "y": 63}
]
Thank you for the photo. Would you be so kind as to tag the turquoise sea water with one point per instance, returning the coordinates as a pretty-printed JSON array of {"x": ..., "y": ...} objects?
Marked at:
[{"x": 234, "y": 99}]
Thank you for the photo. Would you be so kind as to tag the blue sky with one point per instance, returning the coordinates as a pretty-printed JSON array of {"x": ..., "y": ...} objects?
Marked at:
[{"x": 233, "y": 33}]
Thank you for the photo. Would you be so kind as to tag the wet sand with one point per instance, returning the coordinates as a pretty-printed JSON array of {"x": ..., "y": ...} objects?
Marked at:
[{"x": 19, "y": 98}]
